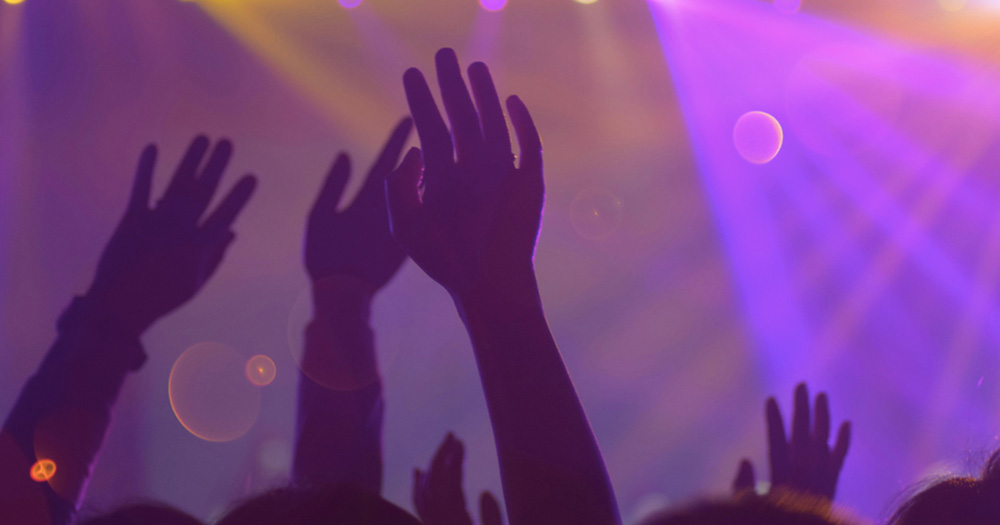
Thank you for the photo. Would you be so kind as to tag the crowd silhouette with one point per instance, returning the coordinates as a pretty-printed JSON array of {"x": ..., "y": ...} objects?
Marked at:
[{"x": 468, "y": 213}]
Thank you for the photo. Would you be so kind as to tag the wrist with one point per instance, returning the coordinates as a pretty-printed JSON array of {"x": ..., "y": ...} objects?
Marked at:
[
  {"x": 128, "y": 319},
  {"x": 342, "y": 296}
]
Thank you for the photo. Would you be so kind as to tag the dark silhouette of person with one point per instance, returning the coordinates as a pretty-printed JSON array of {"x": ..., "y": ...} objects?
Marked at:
[
  {"x": 470, "y": 218},
  {"x": 158, "y": 259},
  {"x": 956, "y": 499}
]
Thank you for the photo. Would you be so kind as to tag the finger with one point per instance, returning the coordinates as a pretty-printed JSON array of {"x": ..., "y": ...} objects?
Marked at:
[
  {"x": 528, "y": 140},
  {"x": 374, "y": 187},
  {"x": 489, "y": 510},
  {"x": 217, "y": 162},
  {"x": 456, "y": 458},
  {"x": 495, "y": 134},
  {"x": 333, "y": 187},
  {"x": 143, "y": 183},
  {"x": 465, "y": 128},
  {"x": 184, "y": 177},
  {"x": 418, "y": 491},
  {"x": 435, "y": 139},
  {"x": 222, "y": 218},
  {"x": 402, "y": 194},
  {"x": 745, "y": 479},
  {"x": 439, "y": 465},
  {"x": 800, "y": 417},
  {"x": 821, "y": 426},
  {"x": 777, "y": 445},
  {"x": 841, "y": 446}
]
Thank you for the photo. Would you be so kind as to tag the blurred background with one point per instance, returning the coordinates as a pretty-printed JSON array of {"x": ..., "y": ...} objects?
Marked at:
[{"x": 742, "y": 195}]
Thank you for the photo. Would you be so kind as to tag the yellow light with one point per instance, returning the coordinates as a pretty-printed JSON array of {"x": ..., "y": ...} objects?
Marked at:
[
  {"x": 43, "y": 469},
  {"x": 13, "y": 2},
  {"x": 585, "y": 1}
]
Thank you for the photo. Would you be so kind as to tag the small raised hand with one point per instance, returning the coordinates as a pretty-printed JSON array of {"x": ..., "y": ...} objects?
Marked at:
[
  {"x": 357, "y": 240},
  {"x": 477, "y": 218},
  {"x": 806, "y": 463},
  {"x": 438, "y": 495},
  {"x": 160, "y": 257}
]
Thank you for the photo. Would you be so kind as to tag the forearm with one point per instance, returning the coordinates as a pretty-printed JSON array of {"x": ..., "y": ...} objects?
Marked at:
[
  {"x": 63, "y": 412},
  {"x": 550, "y": 463},
  {"x": 339, "y": 427}
]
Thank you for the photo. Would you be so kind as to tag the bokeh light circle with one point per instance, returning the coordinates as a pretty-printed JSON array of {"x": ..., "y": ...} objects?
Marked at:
[
  {"x": 586, "y": 1},
  {"x": 788, "y": 6},
  {"x": 596, "y": 213},
  {"x": 210, "y": 394},
  {"x": 758, "y": 137},
  {"x": 43, "y": 470},
  {"x": 260, "y": 370},
  {"x": 350, "y": 4},
  {"x": 13, "y": 2},
  {"x": 493, "y": 5}
]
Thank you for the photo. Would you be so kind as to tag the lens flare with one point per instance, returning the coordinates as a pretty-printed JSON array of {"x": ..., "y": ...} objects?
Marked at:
[
  {"x": 210, "y": 394},
  {"x": 596, "y": 213},
  {"x": 758, "y": 137},
  {"x": 260, "y": 370},
  {"x": 43, "y": 470},
  {"x": 13, "y": 2},
  {"x": 350, "y": 4},
  {"x": 493, "y": 5}
]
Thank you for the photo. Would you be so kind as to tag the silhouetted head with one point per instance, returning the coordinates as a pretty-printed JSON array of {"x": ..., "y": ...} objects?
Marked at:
[
  {"x": 143, "y": 514},
  {"x": 965, "y": 500},
  {"x": 331, "y": 505},
  {"x": 749, "y": 509}
]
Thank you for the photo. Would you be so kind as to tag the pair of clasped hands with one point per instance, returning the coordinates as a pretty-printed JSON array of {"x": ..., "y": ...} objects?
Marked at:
[{"x": 458, "y": 206}]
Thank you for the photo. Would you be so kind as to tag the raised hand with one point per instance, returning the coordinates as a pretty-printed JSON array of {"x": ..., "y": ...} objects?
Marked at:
[
  {"x": 477, "y": 219},
  {"x": 806, "y": 463},
  {"x": 160, "y": 257},
  {"x": 357, "y": 240},
  {"x": 438, "y": 495}
]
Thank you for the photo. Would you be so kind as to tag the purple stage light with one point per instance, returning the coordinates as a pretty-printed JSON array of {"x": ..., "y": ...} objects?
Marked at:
[
  {"x": 350, "y": 4},
  {"x": 787, "y": 6},
  {"x": 493, "y": 5}
]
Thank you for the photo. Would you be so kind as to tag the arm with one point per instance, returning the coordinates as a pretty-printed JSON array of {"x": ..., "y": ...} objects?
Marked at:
[
  {"x": 806, "y": 464},
  {"x": 349, "y": 255},
  {"x": 473, "y": 229},
  {"x": 157, "y": 260}
]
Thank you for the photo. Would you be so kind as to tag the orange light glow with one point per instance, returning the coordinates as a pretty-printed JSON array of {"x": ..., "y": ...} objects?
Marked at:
[
  {"x": 260, "y": 370},
  {"x": 43, "y": 470}
]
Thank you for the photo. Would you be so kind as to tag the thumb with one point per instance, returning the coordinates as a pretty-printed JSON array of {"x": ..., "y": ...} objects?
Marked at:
[
  {"x": 744, "y": 477},
  {"x": 489, "y": 510},
  {"x": 402, "y": 194}
]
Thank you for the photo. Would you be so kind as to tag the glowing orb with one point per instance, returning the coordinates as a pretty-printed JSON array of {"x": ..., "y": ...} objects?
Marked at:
[
  {"x": 787, "y": 6},
  {"x": 260, "y": 370},
  {"x": 493, "y": 5},
  {"x": 596, "y": 213},
  {"x": 758, "y": 137},
  {"x": 350, "y": 4},
  {"x": 210, "y": 394},
  {"x": 43, "y": 470},
  {"x": 586, "y": 1},
  {"x": 13, "y": 2}
]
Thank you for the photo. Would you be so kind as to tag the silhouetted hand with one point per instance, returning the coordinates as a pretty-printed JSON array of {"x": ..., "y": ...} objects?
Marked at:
[
  {"x": 477, "y": 220},
  {"x": 357, "y": 240},
  {"x": 438, "y": 495},
  {"x": 806, "y": 463},
  {"x": 159, "y": 258}
]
